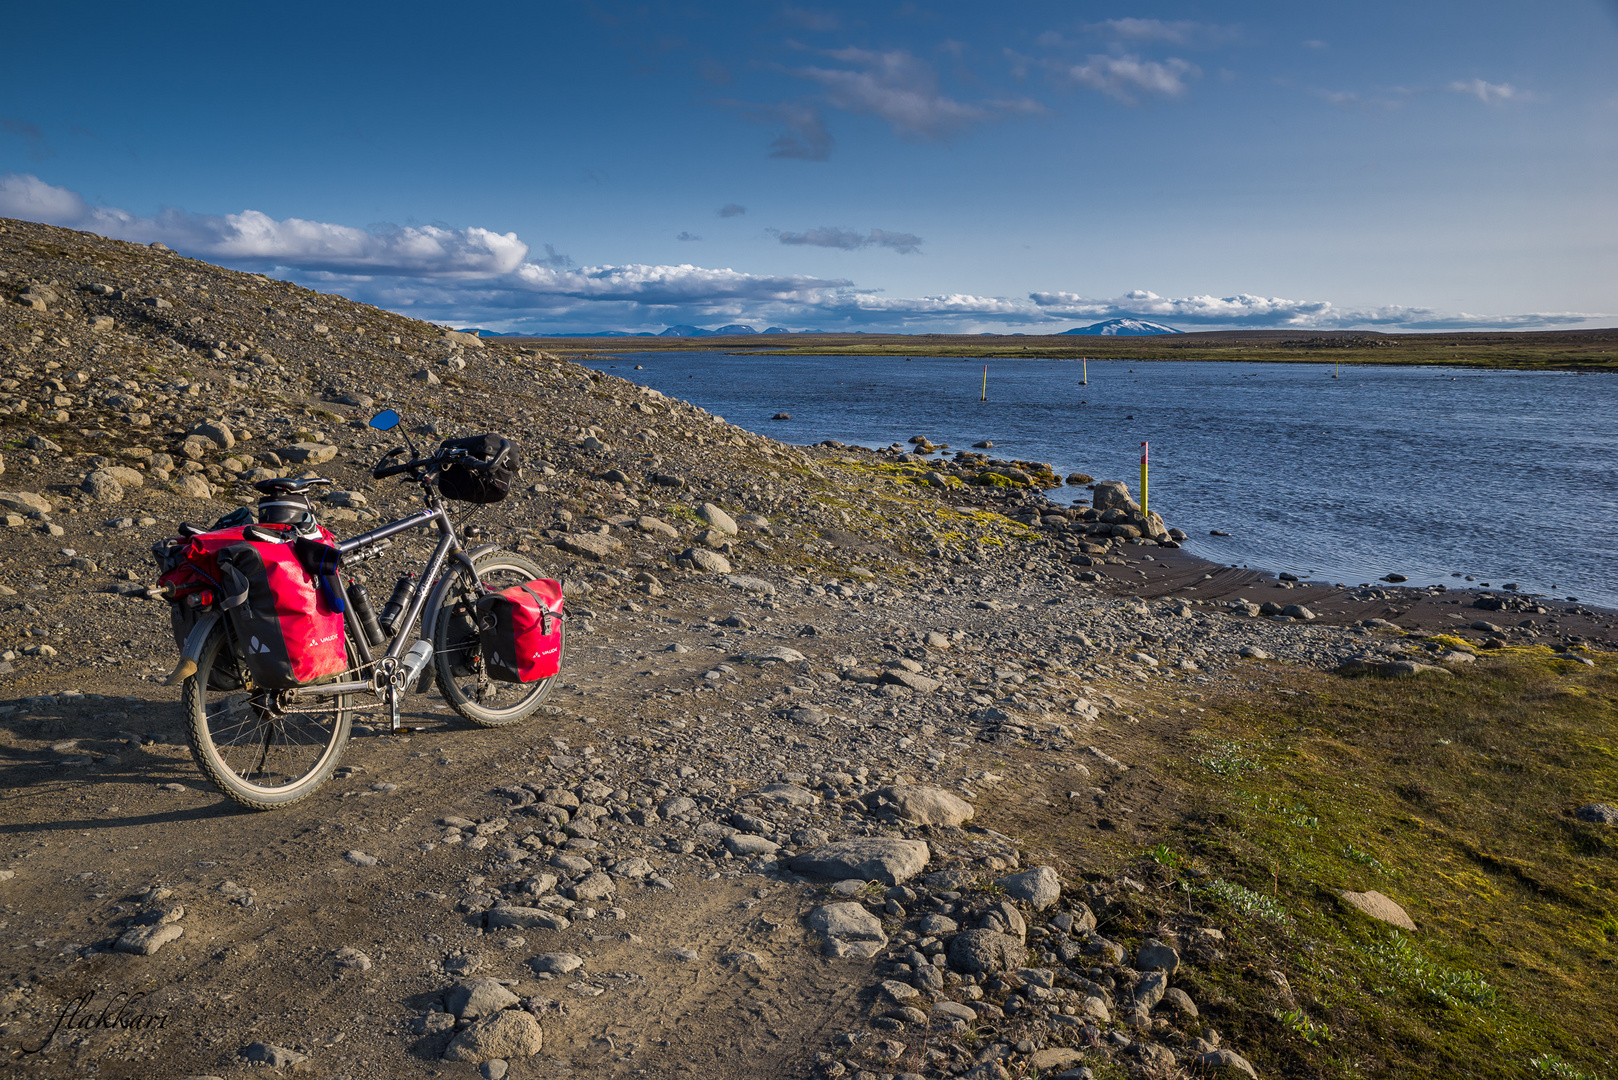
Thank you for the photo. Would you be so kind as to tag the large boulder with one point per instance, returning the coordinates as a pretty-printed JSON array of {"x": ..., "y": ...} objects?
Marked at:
[
  {"x": 1380, "y": 907},
  {"x": 867, "y": 858},
  {"x": 848, "y": 930},
  {"x": 1113, "y": 495},
  {"x": 922, "y": 805},
  {"x": 24, "y": 502},
  {"x": 309, "y": 453},
  {"x": 510, "y": 1034},
  {"x": 456, "y": 337},
  {"x": 102, "y": 487},
  {"x": 981, "y": 952},
  {"x": 1040, "y": 887},
  {"x": 589, "y": 545},
  {"x": 216, "y": 430},
  {"x": 718, "y": 519},
  {"x": 478, "y": 997},
  {"x": 703, "y": 561}
]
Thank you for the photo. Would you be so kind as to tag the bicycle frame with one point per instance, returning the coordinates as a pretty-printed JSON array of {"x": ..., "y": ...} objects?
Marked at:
[{"x": 387, "y": 676}]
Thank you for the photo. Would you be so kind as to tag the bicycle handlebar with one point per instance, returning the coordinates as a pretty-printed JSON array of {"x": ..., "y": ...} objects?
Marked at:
[{"x": 456, "y": 455}]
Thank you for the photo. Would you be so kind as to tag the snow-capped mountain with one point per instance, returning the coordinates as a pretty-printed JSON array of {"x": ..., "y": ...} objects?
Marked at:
[{"x": 1122, "y": 327}]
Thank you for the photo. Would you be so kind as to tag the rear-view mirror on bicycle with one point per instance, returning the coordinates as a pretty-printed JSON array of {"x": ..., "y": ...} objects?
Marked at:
[{"x": 386, "y": 420}]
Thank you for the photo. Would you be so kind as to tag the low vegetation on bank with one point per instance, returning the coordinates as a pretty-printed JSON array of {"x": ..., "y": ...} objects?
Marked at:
[
  {"x": 1457, "y": 798},
  {"x": 1552, "y": 350}
]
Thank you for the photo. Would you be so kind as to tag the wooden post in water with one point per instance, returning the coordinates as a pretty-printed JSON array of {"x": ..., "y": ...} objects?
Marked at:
[
  {"x": 1085, "y": 360},
  {"x": 1144, "y": 508},
  {"x": 985, "y": 396}
]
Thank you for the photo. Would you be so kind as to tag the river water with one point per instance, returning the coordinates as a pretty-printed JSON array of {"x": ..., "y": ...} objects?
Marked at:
[{"x": 1503, "y": 476}]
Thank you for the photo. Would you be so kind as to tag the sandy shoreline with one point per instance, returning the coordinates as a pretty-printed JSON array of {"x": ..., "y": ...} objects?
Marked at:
[{"x": 1180, "y": 573}]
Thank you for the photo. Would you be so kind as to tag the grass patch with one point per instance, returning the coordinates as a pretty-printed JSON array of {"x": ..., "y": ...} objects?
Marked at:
[{"x": 1454, "y": 797}]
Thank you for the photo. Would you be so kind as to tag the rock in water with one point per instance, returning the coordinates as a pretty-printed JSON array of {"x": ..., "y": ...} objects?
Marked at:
[{"x": 1113, "y": 495}]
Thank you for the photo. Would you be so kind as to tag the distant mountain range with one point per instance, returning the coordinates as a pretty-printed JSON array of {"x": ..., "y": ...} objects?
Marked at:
[
  {"x": 1112, "y": 327},
  {"x": 673, "y": 331},
  {"x": 1122, "y": 328}
]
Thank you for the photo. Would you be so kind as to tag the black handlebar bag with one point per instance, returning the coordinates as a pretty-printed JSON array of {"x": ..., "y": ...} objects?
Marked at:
[{"x": 488, "y": 484}]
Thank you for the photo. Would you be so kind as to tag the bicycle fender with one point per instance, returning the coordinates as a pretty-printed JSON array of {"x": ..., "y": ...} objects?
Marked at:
[
  {"x": 192, "y": 650},
  {"x": 435, "y": 599}
]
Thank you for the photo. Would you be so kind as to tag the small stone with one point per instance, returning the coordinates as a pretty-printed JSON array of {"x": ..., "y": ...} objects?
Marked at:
[
  {"x": 1180, "y": 1001},
  {"x": 977, "y": 952},
  {"x": 560, "y": 963},
  {"x": 594, "y": 886},
  {"x": 1379, "y": 907},
  {"x": 848, "y": 930},
  {"x": 1156, "y": 956},
  {"x": 276, "y": 1057},
  {"x": 1040, "y": 887},
  {"x": 146, "y": 940},
  {"x": 349, "y": 958},
  {"x": 589, "y": 545},
  {"x": 1599, "y": 813},
  {"x": 745, "y": 845},
  {"x": 1223, "y": 1063},
  {"x": 704, "y": 560},
  {"x": 478, "y": 997},
  {"x": 718, "y": 519},
  {"x": 360, "y": 858}
]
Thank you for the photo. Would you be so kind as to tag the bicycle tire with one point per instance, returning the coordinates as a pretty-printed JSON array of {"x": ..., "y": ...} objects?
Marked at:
[
  {"x": 255, "y": 757},
  {"x": 461, "y": 679}
]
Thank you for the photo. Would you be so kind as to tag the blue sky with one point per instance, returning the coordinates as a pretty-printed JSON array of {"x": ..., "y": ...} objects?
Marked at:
[{"x": 910, "y": 166}]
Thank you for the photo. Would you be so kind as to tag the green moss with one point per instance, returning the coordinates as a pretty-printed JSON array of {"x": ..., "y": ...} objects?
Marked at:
[{"x": 1454, "y": 798}]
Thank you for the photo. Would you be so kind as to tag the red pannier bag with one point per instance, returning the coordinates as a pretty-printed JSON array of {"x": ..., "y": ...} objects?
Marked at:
[
  {"x": 189, "y": 569},
  {"x": 520, "y": 631},
  {"x": 288, "y": 623}
]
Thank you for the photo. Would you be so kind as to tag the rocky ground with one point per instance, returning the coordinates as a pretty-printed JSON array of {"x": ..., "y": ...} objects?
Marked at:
[{"x": 813, "y": 797}]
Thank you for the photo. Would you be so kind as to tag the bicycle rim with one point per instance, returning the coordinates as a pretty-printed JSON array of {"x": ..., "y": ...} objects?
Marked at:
[
  {"x": 461, "y": 676},
  {"x": 253, "y": 751}
]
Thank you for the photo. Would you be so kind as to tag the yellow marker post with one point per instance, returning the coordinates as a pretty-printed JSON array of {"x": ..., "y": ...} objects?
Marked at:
[
  {"x": 985, "y": 396},
  {"x": 1143, "y": 506}
]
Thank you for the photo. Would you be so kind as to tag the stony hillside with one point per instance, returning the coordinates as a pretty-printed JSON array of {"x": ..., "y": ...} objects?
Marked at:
[{"x": 841, "y": 742}]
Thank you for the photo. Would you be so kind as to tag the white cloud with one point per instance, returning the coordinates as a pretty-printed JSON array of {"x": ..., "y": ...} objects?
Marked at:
[
  {"x": 896, "y": 87},
  {"x": 1180, "y": 32},
  {"x": 850, "y": 240},
  {"x": 477, "y": 277},
  {"x": 1491, "y": 93},
  {"x": 251, "y": 238},
  {"x": 1126, "y": 77}
]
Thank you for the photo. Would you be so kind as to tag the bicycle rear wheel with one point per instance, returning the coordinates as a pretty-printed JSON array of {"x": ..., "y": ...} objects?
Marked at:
[
  {"x": 256, "y": 750},
  {"x": 462, "y": 676}
]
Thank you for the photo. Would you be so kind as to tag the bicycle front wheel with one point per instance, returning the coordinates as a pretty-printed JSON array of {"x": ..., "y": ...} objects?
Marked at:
[
  {"x": 463, "y": 678},
  {"x": 255, "y": 748}
]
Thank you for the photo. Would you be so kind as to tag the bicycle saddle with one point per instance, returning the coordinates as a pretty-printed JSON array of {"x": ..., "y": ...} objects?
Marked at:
[{"x": 289, "y": 485}]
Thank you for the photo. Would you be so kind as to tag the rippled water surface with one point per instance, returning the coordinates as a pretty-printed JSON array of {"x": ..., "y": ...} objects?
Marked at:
[{"x": 1506, "y": 476}]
